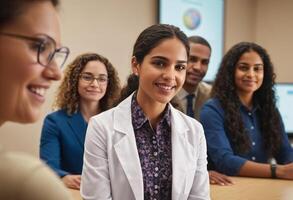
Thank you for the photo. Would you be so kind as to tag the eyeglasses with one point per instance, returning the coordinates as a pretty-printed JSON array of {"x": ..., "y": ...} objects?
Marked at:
[
  {"x": 46, "y": 49},
  {"x": 90, "y": 78}
]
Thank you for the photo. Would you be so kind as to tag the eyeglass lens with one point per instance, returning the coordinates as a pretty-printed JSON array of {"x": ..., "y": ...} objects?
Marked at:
[
  {"x": 102, "y": 79},
  {"x": 48, "y": 53}
]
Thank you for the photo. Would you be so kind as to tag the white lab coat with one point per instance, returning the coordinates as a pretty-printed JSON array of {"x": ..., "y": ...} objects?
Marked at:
[{"x": 112, "y": 170}]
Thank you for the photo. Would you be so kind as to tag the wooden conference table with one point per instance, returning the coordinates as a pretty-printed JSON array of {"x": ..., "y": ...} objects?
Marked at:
[
  {"x": 245, "y": 189},
  {"x": 254, "y": 189}
]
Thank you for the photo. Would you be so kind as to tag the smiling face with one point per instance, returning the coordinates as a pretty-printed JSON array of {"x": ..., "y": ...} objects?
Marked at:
[
  {"x": 199, "y": 57},
  {"x": 249, "y": 73},
  {"x": 162, "y": 72},
  {"x": 93, "y": 91},
  {"x": 23, "y": 82}
]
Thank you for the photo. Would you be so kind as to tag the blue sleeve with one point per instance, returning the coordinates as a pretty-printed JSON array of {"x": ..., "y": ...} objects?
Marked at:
[
  {"x": 50, "y": 145},
  {"x": 220, "y": 151},
  {"x": 286, "y": 152}
]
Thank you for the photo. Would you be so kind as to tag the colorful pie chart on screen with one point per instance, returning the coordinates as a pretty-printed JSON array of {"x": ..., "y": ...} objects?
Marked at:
[{"x": 192, "y": 19}]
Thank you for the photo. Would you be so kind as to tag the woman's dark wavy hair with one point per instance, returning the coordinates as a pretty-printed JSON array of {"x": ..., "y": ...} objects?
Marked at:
[
  {"x": 224, "y": 89},
  {"x": 68, "y": 97},
  {"x": 148, "y": 39},
  {"x": 11, "y": 9}
]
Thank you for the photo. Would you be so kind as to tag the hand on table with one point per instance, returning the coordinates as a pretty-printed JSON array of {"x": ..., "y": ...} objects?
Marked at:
[
  {"x": 217, "y": 178},
  {"x": 72, "y": 181},
  {"x": 285, "y": 171}
]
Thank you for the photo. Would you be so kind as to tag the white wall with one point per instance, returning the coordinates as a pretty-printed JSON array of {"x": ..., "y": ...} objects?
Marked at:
[
  {"x": 108, "y": 27},
  {"x": 239, "y": 21},
  {"x": 274, "y": 30}
]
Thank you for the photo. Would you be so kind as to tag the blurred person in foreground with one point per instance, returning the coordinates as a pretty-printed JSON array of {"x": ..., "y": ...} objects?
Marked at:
[{"x": 30, "y": 59}]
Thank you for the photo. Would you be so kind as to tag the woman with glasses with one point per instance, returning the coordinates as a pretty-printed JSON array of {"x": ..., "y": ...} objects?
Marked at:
[
  {"x": 144, "y": 148},
  {"x": 243, "y": 127},
  {"x": 29, "y": 48},
  {"x": 89, "y": 87}
]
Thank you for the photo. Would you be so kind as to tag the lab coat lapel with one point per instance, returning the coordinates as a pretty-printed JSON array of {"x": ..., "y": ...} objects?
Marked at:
[
  {"x": 180, "y": 154},
  {"x": 126, "y": 148}
]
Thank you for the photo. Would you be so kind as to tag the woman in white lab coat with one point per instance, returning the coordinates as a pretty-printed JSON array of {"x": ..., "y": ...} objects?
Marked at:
[{"x": 144, "y": 148}]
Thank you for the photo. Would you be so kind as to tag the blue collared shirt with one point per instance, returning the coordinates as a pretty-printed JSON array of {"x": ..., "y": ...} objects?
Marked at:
[{"x": 220, "y": 149}]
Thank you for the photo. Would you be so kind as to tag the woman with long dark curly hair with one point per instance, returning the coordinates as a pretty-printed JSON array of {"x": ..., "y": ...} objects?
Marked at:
[
  {"x": 90, "y": 86},
  {"x": 243, "y": 127}
]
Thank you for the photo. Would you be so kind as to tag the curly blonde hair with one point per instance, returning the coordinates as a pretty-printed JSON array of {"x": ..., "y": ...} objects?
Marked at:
[{"x": 68, "y": 97}]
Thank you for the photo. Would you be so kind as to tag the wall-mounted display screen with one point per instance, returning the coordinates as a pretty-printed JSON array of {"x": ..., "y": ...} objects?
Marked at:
[
  {"x": 198, "y": 17},
  {"x": 284, "y": 95}
]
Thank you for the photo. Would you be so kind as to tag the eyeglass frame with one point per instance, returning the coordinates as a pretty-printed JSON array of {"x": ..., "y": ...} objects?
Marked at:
[
  {"x": 41, "y": 40},
  {"x": 97, "y": 78}
]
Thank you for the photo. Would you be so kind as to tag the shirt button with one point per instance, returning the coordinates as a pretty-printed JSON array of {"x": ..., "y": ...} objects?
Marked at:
[
  {"x": 253, "y": 143},
  {"x": 156, "y": 175},
  {"x": 156, "y": 168},
  {"x": 154, "y": 199},
  {"x": 156, "y": 191},
  {"x": 156, "y": 186},
  {"x": 253, "y": 158},
  {"x": 154, "y": 141},
  {"x": 249, "y": 113},
  {"x": 252, "y": 127},
  {"x": 155, "y": 153},
  {"x": 153, "y": 137}
]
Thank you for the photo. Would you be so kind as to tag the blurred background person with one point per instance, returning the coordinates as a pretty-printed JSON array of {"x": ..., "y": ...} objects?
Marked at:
[
  {"x": 195, "y": 92},
  {"x": 89, "y": 87}
]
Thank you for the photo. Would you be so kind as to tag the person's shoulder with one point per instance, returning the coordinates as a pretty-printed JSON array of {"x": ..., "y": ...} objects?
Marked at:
[
  {"x": 192, "y": 127},
  {"x": 205, "y": 85},
  {"x": 28, "y": 176},
  {"x": 58, "y": 114},
  {"x": 212, "y": 102},
  {"x": 124, "y": 107},
  {"x": 176, "y": 103},
  {"x": 210, "y": 109},
  {"x": 19, "y": 165},
  {"x": 13, "y": 158},
  {"x": 181, "y": 116},
  {"x": 103, "y": 117},
  {"x": 106, "y": 117},
  {"x": 108, "y": 113},
  {"x": 204, "y": 90}
]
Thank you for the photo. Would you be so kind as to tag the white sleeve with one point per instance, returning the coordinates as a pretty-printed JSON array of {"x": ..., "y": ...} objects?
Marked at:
[
  {"x": 95, "y": 180},
  {"x": 201, "y": 188}
]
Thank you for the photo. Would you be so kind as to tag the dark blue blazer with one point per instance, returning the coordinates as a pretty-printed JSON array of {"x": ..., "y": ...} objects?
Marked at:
[{"x": 62, "y": 142}]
